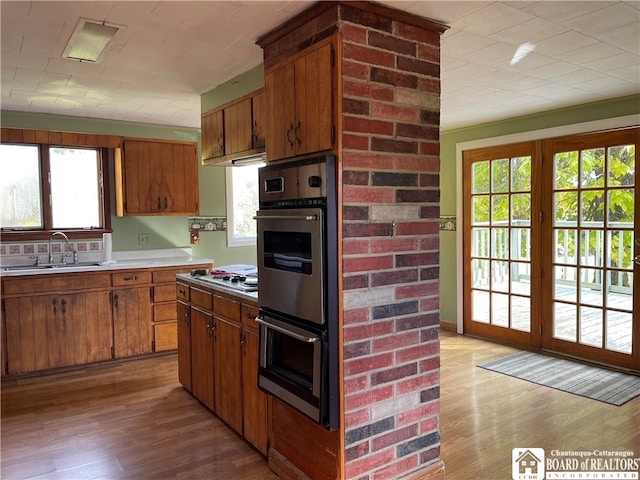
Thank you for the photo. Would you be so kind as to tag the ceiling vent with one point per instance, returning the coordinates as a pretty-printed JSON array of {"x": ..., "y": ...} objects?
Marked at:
[{"x": 89, "y": 40}]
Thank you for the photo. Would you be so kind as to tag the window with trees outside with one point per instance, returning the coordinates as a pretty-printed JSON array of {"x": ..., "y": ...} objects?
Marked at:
[
  {"x": 46, "y": 188},
  {"x": 242, "y": 204}
]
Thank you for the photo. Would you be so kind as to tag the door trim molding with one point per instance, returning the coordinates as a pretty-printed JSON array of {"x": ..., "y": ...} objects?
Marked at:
[{"x": 542, "y": 134}]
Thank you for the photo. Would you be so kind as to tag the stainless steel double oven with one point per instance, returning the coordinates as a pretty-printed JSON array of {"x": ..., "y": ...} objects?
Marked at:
[{"x": 297, "y": 291}]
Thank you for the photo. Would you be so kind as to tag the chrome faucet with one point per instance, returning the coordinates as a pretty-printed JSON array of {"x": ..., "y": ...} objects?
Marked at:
[{"x": 51, "y": 238}]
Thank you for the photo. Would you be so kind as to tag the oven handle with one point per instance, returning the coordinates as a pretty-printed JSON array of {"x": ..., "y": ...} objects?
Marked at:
[
  {"x": 309, "y": 218},
  {"x": 286, "y": 331}
]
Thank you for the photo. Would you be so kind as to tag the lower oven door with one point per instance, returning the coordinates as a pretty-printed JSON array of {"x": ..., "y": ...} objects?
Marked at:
[
  {"x": 291, "y": 262},
  {"x": 291, "y": 364}
]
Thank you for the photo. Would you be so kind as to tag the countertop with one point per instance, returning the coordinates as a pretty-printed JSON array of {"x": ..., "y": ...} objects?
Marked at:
[
  {"x": 194, "y": 280},
  {"x": 126, "y": 264}
]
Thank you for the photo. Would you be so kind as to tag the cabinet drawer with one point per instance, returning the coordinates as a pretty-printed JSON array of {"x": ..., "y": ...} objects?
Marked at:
[
  {"x": 53, "y": 283},
  {"x": 164, "y": 311},
  {"x": 164, "y": 293},
  {"x": 182, "y": 292},
  {"x": 248, "y": 314},
  {"x": 169, "y": 276},
  {"x": 165, "y": 336},
  {"x": 226, "y": 308},
  {"x": 201, "y": 298},
  {"x": 130, "y": 277}
]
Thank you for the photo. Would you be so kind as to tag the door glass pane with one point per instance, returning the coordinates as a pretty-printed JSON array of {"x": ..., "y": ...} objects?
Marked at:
[
  {"x": 565, "y": 170},
  {"x": 480, "y": 209},
  {"x": 592, "y": 167},
  {"x": 521, "y": 209},
  {"x": 622, "y": 165},
  {"x": 499, "y": 209},
  {"x": 480, "y": 273},
  {"x": 620, "y": 249},
  {"x": 591, "y": 286},
  {"x": 619, "y": 328},
  {"x": 620, "y": 290},
  {"x": 520, "y": 244},
  {"x": 75, "y": 188},
  {"x": 592, "y": 208},
  {"x": 621, "y": 206},
  {"x": 565, "y": 284},
  {"x": 591, "y": 326},
  {"x": 500, "y": 243},
  {"x": 20, "y": 191},
  {"x": 565, "y": 209},
  {"x": 564, "y": 321},
  {"x": 480, "y": 177},
  {"x": 521, "y": 313},
  {"x": 500, "y": 276},
  {"x": 480, "y": 242},
  {"x": 521, "y": 278},
  {"x": 592, "y": 248},
  {"x": 500, "y": 309},
  {"x": 521, "y": 174},
  {"x": 500, "y": 175},
  {"x": 565, "y": 246},
  {"x": 480, "y": 306}
]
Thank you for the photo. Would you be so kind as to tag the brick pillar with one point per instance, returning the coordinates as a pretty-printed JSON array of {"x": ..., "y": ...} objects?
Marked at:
[{"x": 390, "y": 170}]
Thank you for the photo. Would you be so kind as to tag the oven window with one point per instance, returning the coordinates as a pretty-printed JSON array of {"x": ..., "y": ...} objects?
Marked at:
[
  {"x": 291, "y": 359},
  {"x": 289, "y": 251}
]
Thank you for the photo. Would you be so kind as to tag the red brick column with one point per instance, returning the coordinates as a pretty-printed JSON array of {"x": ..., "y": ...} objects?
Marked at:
[{"x": 390, "y": 170}]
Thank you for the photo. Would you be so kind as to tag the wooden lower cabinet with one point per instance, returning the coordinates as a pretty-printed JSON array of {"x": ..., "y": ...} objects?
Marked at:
[
  {"x": 184, "y": 343},
  {"x": 202, "y": 357},
  {"x": 228, "y": 373},
  {"x": 53, "y": 331},
  {"x": 218, "y": 356},
  {"x": 132, "y": 333},
  {"x": 254, "y": 400}
]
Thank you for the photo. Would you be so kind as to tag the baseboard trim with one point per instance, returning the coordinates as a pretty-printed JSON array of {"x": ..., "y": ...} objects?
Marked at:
[
  {"x": 448, "y": 326},
  {"x": 284, "y": 468}
]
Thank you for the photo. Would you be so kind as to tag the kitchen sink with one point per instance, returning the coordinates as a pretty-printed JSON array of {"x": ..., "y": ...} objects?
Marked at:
[{"x": 45, "y": 266}]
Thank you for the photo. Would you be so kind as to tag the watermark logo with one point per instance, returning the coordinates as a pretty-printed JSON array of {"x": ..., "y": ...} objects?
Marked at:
[{"x": 527, "y": 463}]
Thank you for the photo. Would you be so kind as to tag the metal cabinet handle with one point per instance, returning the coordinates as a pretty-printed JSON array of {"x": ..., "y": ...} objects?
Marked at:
[
  {"x": 131, "y": 278},
  {"x": 159, "y": 203},
  {"x": 289, "y": 141},
  {"x": 295, "y": 132}
]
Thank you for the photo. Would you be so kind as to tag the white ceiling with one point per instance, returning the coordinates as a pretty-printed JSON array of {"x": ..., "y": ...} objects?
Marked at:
[{"x": 171, "y": 52}]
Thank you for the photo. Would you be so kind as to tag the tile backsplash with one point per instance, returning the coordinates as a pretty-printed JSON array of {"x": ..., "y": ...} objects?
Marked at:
[{"x": 18, "y": 253}]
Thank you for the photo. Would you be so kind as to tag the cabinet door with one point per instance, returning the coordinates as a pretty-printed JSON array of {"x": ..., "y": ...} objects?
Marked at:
[
  {"x": 89, "y": 317},
  {"x": 184, "y": 345},
  {"x": 258, "y": 127},
  {"x": 202, "y": 359},
  {"x": 60, "y": 331},
  {"x": 237, "y": 127},
  {"x": 26, "y": 333},
  {"x": 132, "y": 332},
  {"x": 280, "y": 99},
  {"x": 254, "y": 401},
  {"x": 212, "y": 135},
  {"x": 313, "y": 98},
  {"x": 228, "y": 373},
  {"x": 137, "y": 179}
]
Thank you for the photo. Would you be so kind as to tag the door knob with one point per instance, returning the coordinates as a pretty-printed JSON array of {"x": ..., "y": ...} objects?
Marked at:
[{"x": 637, "y": 259}]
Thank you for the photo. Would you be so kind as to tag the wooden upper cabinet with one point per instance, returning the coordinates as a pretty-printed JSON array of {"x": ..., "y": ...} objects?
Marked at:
[
  {"x": 299, "y": 103},
  {"x": 156, "y": 178},
  {"x": 212, "y": 131},
  {"x": 259, "y": 126},
  {"x": 234, "y": 130},
  {"x": 237, "y": 127}
]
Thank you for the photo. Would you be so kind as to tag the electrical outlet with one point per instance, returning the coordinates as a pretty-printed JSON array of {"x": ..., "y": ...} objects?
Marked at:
[{"x": 144, "y": 239}]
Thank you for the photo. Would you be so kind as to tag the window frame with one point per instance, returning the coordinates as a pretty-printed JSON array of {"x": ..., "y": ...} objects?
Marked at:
[
  {"x": 232, "y": 240},
  {"x": 45, "y": 168}
]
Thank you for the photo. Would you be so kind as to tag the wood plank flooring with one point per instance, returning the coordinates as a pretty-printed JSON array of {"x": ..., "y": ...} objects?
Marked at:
[{"x": 132, "y": 420}]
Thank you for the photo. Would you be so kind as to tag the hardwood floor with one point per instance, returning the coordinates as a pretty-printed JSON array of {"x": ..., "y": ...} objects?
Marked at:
[{"x": 133, "y": 420}]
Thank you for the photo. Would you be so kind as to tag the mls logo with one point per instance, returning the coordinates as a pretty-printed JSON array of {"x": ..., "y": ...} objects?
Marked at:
[{"x": 527, "y": 463}]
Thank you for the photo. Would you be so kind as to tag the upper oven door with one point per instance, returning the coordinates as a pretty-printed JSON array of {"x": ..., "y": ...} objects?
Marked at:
[{"x": 291, "y": 263}]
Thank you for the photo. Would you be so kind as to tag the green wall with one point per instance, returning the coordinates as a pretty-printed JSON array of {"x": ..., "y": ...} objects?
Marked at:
[{"x": 448, "y": 196}]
